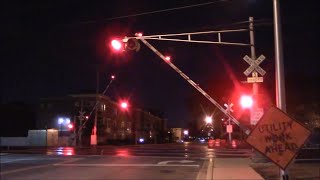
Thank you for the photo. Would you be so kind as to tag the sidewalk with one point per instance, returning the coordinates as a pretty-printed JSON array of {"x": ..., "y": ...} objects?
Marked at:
[{"x": 230, "y": 168}]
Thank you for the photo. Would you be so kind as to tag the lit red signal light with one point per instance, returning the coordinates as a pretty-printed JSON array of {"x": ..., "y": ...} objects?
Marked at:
[
  {"x": 246, "y": 101},
  {"x": 116, "y": 45},
  {"x": 70, "y": 126}
]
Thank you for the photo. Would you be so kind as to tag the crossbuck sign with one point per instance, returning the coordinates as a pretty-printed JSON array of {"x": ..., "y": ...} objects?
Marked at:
[{"x": 254, "y": 65}]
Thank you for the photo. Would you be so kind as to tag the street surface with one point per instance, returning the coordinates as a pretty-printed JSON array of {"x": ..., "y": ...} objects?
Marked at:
[
  {"x": 159, "y": 161},
  {"x": 149, "y": 161}
]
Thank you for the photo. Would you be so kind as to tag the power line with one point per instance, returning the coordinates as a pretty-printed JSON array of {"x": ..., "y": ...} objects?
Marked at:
[{"x": 150, "y": 12}]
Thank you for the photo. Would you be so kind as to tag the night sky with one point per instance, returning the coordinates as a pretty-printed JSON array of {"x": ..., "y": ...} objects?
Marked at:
[{"x": 55, "y": 48}]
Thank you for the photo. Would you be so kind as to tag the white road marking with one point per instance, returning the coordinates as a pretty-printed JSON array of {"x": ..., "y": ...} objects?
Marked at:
[
  {"x": 23, "y": 169},
  {"x": 35, "y": 167},
  {"x": 127, "y": 165},
  {"x": 26, "y": 159},
  {"x": 210, "y": 170},
  {"x": 182, "y": 161}
]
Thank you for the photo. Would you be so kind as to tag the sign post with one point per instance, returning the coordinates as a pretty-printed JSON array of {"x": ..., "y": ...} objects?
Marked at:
[
  {"x": 255, "y": 115},
  {"x": 229, "y": 126},
  {"x": 278, "y": 137}
]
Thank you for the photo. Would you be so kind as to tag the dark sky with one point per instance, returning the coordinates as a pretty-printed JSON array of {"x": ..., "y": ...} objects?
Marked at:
[{"x": 54, "y": 48}]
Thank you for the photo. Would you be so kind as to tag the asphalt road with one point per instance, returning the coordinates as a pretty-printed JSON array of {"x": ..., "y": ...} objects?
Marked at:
[
  {"x": 186, "y": 150},
  {"x": 153, "y": 161},
  {"x": 166, "y": 161},
  {"x": 97, "y": 167}
]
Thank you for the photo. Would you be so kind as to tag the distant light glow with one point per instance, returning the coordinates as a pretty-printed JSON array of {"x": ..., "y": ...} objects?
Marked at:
[
  {"x": 70, "y": 126},
  {"x": 141, "y": 140},
  {"x": 168, "y": 58},
  {"x": 116, "y": 44},
  {"x": 123, "y": 153},
  {"x": 67, "y": 121},
  {"x": 112, "y": 77}
]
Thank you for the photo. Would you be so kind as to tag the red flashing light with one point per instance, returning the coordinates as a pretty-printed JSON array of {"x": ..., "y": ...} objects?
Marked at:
[
  {"x": 116, "y": 45},
  {"x": 246, "y": 101},
  {"x": 70, "y": 126},
  {"x": 139, "y": 34}
]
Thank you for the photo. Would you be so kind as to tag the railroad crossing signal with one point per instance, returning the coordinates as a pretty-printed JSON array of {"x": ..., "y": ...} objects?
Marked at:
[
  {"x": 254, "y": 78},
  {"x": 81, "y": 116},
  {"x": 254, "y": 65},
  {"x": 229, "y": 107}
]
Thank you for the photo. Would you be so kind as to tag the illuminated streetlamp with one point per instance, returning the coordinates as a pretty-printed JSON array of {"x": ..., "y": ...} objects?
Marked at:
[
  {"x": 208, "y": 119},
  {"x": 60, "y": 121},
  {"x": 186, "y": 132},
  {"x": 124, "y": 105}
]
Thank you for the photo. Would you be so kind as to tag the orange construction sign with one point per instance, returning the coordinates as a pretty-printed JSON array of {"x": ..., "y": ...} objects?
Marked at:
[{"x": 278, "y": 137}]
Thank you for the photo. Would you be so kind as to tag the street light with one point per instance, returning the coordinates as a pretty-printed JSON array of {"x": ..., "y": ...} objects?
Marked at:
[
  {"x": 208, "y": 119},
  {"x": 60, "y": 121},
  {"x": 186, "y": 132},
  {"x": 124, "y": 105}
]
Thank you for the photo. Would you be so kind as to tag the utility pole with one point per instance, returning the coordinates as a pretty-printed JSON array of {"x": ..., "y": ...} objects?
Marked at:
[
  {"x": 94, "y": 138},
  {"x": 255, "y": 86},
  {"x": 279, "y": 69}
]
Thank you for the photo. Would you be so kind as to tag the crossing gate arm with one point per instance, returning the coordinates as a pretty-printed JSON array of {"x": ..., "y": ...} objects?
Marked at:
[{"x": 196, "y": 86}]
